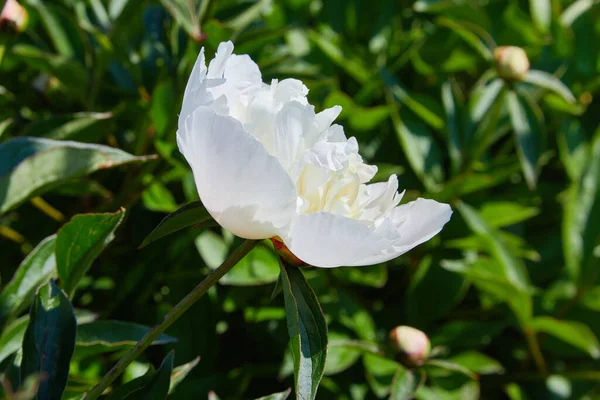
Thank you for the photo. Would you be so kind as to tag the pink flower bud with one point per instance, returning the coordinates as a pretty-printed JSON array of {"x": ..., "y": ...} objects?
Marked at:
[
  {"x": 13, "y": 16},
  {"x": 511, "y": 62},
  {"x": 411, "y": 345}
]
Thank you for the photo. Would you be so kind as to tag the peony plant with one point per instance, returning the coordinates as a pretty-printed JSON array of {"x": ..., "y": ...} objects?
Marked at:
[{"x": 267, "y": 166}]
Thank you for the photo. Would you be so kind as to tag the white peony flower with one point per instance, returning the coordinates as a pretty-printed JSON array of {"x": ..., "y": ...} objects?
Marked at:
[{"x": 267, "y": 166}]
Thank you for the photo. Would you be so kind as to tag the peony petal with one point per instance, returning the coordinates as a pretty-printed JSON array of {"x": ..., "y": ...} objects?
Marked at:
[
  {"x": 416, "y": 222},
  {"x": 419, "y": 221},
  {"x": 195, "y": 91},
  {"x": 327, "y": 240},
  {"x": 242, "y": 186}
]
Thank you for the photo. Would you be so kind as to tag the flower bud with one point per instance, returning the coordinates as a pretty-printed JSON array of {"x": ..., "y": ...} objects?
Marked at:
[
  {"x": 411, "y": 345},
  {"x": 13, "y": 16},
  {"x": 511, "y": 62}
]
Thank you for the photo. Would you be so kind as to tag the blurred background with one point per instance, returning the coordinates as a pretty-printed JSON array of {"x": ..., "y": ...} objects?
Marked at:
[{"x": 508, "y": 293}]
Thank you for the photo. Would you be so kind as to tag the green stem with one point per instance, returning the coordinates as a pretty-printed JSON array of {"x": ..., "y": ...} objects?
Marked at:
[
  {"x": 171, "y": 317},
  {"x": 534, "y": 347}
]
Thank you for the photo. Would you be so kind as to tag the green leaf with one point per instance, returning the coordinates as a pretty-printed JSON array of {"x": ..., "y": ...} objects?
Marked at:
[
  {"x": 212, "y": 248},
  {"x": 581, "y": 232},
  {"x": 85, "y": 126},
  {"x": 468, "y": 36},
  {"x": 575, "y": 333},
  {"x": 505, "y": 213},
  {"x": 153, "y": 385},
  {"x": 80, "y": 241},
  {"x": 549, "y": 82},
  {"x": 404, "y": 385},
  {"x": 68, "y": 71},
  {"x": 380, "y": 373},
  {"x": 133, "y": 389},
  {"x": 158, "y": 387},
  {"x": 541, "y": 13},
  {"x": 354, "y": 66},
  {"x": 56, "y": 29},
  {"x": 451, "y": 367},
  {"x": 512, "y": 267},
  {"x": 49, "y": 341},
  {"x": 478, "y": 363},
  {"x": 467, "y": 391},
  {"x": 12, "y": 337},
  {"x": 372, "y": 275},
  {"x": 32, "y": 166},
  {"x": 452, "y": 126},
  {"x": 277, "y": 396},
  {"x": 403, "y": 96},
  {"x": 37, "y": 268},
  {"x": 420, "y": 307},
  {"x": 576, "y": 10},
  {"x": 157, "y": 197},
  {"x": 342, "y": 353},
  {"x": 573, "y": 148},
  {"x": 190, "y": 214},
  {"x": 184, "y": 13},
  {"x": 490, "y": 277},
  {"x": 527, "y": 132},
  {"x": 179, "y": 373},
  {"x": 259, "y": 267},
  {"x": 107, "y": 336},
  {"x": 421, "y": 149},
  {"x": 482, "y": 100},
  {"x": 307, "y": 329},
  {"x": 465, "y": 334}
]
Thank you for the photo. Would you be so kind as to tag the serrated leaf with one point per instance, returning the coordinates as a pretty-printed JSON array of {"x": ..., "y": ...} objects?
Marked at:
[
  {"x": 31, "y": 166},
  {"x": 37, "y": 268},
  {"x": 80, "y": 241},
  {"x": 188, "y": 215},
  {"x": 49, "y": 341},
  {"x": 307, "y": 329}
]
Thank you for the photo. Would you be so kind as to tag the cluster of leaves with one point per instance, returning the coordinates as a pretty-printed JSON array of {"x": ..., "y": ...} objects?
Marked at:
[{"x": 508, "y": 293}]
